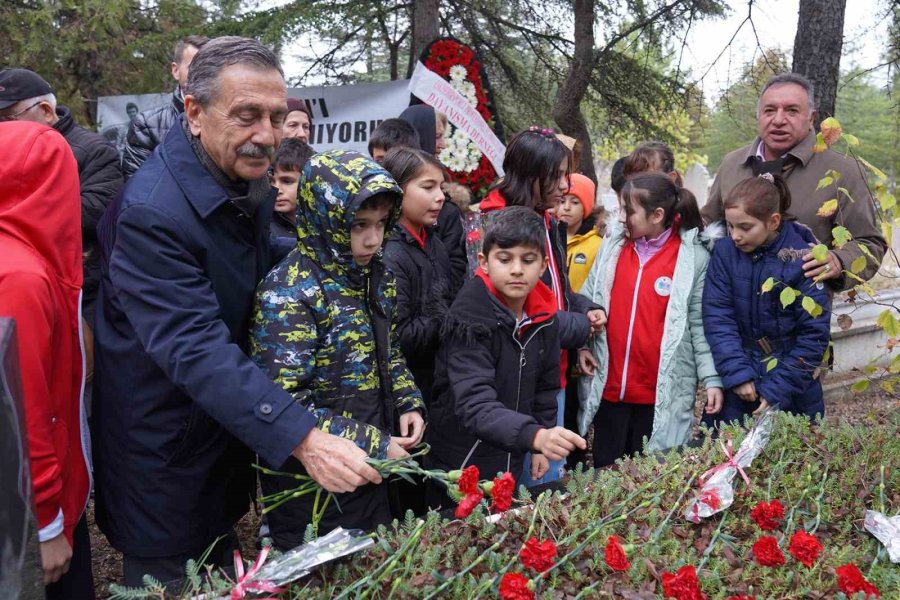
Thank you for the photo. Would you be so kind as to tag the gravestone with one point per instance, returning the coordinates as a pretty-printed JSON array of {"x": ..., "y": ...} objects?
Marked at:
[
  {"x": 697, "y": 180},
  {"x": 21, "y": 575}
]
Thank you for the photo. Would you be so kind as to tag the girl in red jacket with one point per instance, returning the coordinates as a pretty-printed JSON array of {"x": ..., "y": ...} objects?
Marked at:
[
  {"x": 649, "y": 276},
  {"x": 40, "y": 288}
]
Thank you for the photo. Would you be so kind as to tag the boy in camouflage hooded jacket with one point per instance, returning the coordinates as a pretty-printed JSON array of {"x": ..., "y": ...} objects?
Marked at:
[{"x": 322, "y": 328}]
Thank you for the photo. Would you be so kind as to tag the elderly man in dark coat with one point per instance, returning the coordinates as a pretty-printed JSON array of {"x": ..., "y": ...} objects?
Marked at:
[{"x": 180, "y": 409}]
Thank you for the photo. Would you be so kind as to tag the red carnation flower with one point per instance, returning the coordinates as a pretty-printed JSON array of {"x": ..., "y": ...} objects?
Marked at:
[
  {"x": 514, "y": 586},
  {"x": 502, "y": 492},
  {"x": 768, "y": 515},
  {"x": 851, "y": 581},
  {"x": 805, "y": 548},
  {"x": 467, "y": 505},
  {"x": 615, "y": 554},
  {"x": 711, "y": 499},
  {"x": 468, "y": 481},
  {"x": 684, "y": 585},
  {"x": 539, "y": 556},
  {"x": 767, "y": 552}
]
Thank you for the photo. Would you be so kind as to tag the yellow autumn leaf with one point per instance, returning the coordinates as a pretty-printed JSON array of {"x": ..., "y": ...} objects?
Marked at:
[
  {"x": 768, "y": 284},
  {"x": 841, "y": 236},
  {"x": 828, "y": 208},
  {"x": 831, "y": 131},
  {"x": 787, "y": 297},
  {"x": 858, "y": 264},
  {"x": 820, "y": 145},
  {"x": 875, "y": 170},
  {"x": 820, "y": 252},
  {"x": 810, "y": 306}
]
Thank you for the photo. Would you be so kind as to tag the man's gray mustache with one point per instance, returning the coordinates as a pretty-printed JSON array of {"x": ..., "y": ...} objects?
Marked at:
[{"x": 251, "y": 150}]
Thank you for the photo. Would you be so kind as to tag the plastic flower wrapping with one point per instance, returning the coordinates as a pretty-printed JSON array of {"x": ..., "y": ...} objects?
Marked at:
[
  {"x": 716, "y": 490},
  {"x": 886, "y": 530},
  {"x": 300, "y": 561}
]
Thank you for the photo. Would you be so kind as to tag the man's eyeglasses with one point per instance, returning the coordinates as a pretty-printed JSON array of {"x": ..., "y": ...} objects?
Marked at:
[{"x": 15, "y": 117}]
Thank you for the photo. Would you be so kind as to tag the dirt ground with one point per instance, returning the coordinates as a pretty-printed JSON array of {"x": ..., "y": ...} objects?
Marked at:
[{"x": 872, "y": 406}]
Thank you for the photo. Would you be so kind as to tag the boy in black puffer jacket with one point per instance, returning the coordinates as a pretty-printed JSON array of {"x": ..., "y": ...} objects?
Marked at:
[{"x": 497, "y": 372}]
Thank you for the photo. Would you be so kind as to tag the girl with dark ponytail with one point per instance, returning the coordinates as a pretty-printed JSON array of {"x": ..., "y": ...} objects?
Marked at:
[
  {"x": 768, "y": 354},
  {"x": 646, "y": 365}
]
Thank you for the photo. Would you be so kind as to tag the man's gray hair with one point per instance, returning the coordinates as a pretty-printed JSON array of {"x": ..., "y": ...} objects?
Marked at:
[
  {"x": 215, "y": 55},
  {"x": 794, "y": 78}
]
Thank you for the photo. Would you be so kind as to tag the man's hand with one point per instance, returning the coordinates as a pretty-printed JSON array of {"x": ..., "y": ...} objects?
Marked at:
[
  {"x": 830, "y": 268},
  {"x": 56, "y": 554},
  {"x": 763, "y": 405},
  {"x": 412, "y": 426},
  {"x": 557, "y": 443},
  {"x": 715, "y": 397},
  {"x": 597, "y": 317},
  {"x": 746, "y": 391},
  {"x": 539, "y": 466},
  {"x": 396, "y": 449},
  {"x": 586, "y": 361},
  {"x": 338, "y": 465}
]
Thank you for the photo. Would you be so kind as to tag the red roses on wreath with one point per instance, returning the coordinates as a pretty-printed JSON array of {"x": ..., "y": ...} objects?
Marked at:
[{"x": 441, "y": 56}]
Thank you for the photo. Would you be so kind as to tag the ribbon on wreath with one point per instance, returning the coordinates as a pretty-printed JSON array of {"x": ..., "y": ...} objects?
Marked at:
[
  {"x": 728, "y": 449},
  {"x": 244, "y": 581}
]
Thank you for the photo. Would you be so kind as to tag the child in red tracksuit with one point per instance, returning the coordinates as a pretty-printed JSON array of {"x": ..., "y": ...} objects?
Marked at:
[{"x": 650, "y": 277}]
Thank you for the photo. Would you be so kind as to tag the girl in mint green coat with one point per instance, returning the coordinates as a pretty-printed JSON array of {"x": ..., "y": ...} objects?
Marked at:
[{"x": 645, "y": 367}]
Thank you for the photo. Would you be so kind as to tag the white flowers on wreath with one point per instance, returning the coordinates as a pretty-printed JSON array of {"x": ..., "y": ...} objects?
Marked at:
[{"x": 461, "y": 154}]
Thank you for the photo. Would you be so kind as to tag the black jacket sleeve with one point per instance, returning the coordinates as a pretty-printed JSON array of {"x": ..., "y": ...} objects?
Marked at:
[
  {"x": 417, "y": 329},
  {"x": 450, "y": 228},
  {"x": 139, "y": 145},
  {"x": 101, "y": 180}
]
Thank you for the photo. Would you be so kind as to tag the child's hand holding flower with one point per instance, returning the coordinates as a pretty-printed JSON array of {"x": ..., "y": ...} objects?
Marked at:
[{"x": 412, "y": 426}]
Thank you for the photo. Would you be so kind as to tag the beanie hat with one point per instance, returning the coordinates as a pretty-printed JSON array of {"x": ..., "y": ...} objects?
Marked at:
[
  {"x": 584, "y": 189},
  {"x": 298, "y": 104}
]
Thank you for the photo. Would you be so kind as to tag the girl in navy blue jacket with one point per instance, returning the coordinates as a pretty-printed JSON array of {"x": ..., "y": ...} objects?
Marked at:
[{"x": 746, "y": 327}]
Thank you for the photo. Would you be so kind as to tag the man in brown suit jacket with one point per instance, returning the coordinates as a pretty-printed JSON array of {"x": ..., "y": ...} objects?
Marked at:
[{"x": 785, "y": 116}]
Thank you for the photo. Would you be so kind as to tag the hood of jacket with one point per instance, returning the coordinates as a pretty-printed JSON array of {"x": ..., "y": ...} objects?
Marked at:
[
  {"x": 493, "y": 201},
  {"x": 423, "y": 120},
  {"x": 333, "y": 186},
  {"x": 585, "y": 232},
  {"x": 787, "y": 237},
  {"x": 34, "y": 174},
  {"x": 540, "y": 305}
]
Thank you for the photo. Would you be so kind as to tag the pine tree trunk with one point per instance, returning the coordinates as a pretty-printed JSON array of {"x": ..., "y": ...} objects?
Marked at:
[
  {"x": 817, "y": 49},
  {"x": 567, "y": 110}
]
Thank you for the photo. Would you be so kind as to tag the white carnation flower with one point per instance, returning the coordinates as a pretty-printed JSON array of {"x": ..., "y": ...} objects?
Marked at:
[{"x": 458, "y": 73}]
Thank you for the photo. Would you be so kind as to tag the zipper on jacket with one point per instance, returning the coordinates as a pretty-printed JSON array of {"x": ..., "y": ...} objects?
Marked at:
[
  {"x": 522, "y": 362},
  {"x": 637, "y": 287}
]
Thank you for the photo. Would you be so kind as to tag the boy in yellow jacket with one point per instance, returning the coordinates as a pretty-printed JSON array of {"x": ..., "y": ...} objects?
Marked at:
[{"x": 575, "y": 210}]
